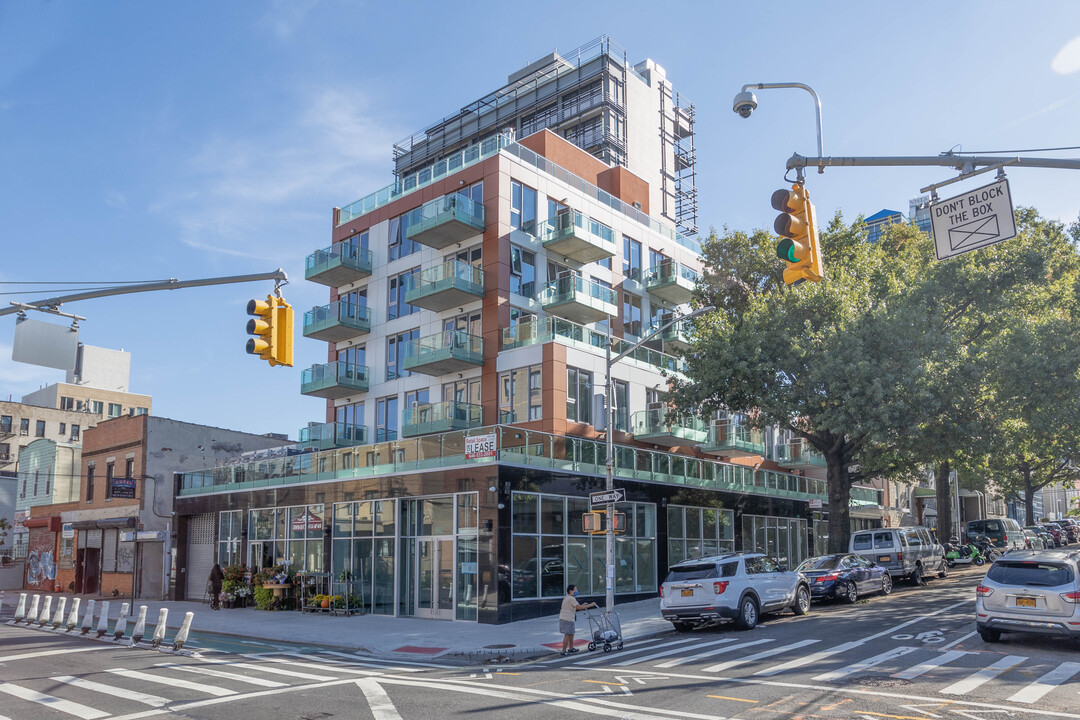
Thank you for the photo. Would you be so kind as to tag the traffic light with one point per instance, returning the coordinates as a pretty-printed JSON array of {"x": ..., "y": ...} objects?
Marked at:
[
  {"x": 591, "y": 523},
  {"x": 272, "y": 327},
  {"x": 798, "y": 230}
]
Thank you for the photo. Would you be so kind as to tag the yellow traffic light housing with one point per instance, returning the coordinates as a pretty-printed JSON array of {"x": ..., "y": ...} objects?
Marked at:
[
  {"x": 798, "y": 229},
  {"x": 272, "y": 327},
  {"x": 592, "y": 523}
]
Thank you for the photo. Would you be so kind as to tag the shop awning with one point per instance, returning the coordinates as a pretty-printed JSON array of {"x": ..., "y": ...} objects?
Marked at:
[
  {"x": 120, "y": 522},
  {"x": 924, "y": 492},
  {"x": 52, "y": 523}
]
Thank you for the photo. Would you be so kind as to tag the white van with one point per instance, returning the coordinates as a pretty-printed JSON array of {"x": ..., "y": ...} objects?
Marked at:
[{"x": 909, "y": 552}]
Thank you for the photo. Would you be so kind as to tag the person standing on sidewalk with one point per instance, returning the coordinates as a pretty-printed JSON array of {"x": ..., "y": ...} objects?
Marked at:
[
  {"x": 568, "y": 618},
  {"x": 217, "y": 577}
]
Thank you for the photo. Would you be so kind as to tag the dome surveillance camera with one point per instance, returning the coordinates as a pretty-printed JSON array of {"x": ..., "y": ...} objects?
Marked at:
[
  {"x": 744, "y": 104},
  {"x": 493, "y": 489}
]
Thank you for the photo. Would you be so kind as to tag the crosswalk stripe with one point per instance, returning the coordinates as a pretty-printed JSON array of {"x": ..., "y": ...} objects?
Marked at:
[
  {"x": 665, "y": 653},
  {"x": 680, "y": 661},
  {"x": 314, "y": 666},
  {"x": 1046, "y": 683},
  {"x": 760, "y": 656},
  {"x": 267, "y": 668},
  {"x": 66, "y": 706},
  {"x": 354, "y": 656},
  {"x": 944, "y": 658},
  {"x": 144, "y": 698},
  {"x": 382, "y": 707},
  {"x": 359, "y": 662},
  {"x": 987, "y": 673},
  {"x": 44, "y": 653},
  {"x": 634, "y": 651},
  {"x": 172, "y": 682},
  {"x": 867, "y": 663},
  {"x": 809, "y": 659},
  {"x": 222, "y": 674}
]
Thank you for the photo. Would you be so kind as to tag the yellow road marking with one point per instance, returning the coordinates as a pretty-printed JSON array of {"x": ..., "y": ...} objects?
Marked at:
[
  {"x": 603, "y": 682},
  {"x": 725, "y": 697},
  {"x": 895, "y": 717},
  {"x": 827, "y": 708}
]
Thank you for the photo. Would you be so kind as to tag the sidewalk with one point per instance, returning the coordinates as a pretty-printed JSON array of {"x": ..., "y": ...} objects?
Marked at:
[{"x": 378, "y": 634}]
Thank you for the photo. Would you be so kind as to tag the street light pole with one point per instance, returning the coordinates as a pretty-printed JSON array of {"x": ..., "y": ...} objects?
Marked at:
[{"x": 609, "y": 600}]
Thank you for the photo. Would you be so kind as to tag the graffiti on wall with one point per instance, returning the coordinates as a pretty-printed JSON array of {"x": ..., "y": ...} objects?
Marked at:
[{"x": 40, "y": 563}]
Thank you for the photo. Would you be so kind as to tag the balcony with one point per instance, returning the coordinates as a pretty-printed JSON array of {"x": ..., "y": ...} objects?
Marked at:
[
  {"x": 426, "y": 418},
  {"x": 798, "y": 454},
  {"x": 671, "y": 282},
  {"x": 577, "y": 237},
  {"x": 334, "y": 380},
  {"x": 337, "y": 265},
  {"x": 657, "y": 426},
  {"x": 733, "y": 439},
  {"x": 449, "y": 284},
  {"x": 445, "y": 221},
  {"x": 579, "y": 300},
  {"x": 674, "y": 337},
  {"x": 445, "y": 352},
  {"x": 323, "y": 436},
  {"x": 337, "y": 321}
]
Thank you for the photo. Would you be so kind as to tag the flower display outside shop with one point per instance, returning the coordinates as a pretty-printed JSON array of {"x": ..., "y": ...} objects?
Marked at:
[{"x": 235, "y": 588}]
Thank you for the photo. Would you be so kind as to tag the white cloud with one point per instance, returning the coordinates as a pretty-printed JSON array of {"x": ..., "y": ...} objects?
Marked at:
[
  {"x": 1067, "y": 60},
  {"x": 285, "y": 16}
]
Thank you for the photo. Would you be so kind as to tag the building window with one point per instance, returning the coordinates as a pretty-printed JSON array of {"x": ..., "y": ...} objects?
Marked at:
[
  {"x": 522, "y": 206},
  {"x": 462, "y": 391},
  {"x": 97, "y": 407},
  {"x": 141, "y": 411},
  {"x": 656, "y": 259},
  {"x": 396, "y": 305},
  {"x": 399, "y": 244},
  {"x": 36, "y": 472},
  {"x": 229, "y": 527},
  {"x": 542, "y": 118},
  {"x": 580, "y": 100},
  {"x": 396, "y": 347},
  {"x": 364, "y": 552},
  {"x": 631, "y": 264},
  {"x": 24, "y": 426},
  {"x": 67, "y": 403},
  {"x": 621, "y": 401},
  {"x": 781, "y": 538},
  {"x": 129, "y": 468},
  {"x": 521, "y": 395},
  {"x": 110, "y": 468},
  {"x": 90, "y": 482},
  {"x": 522, "y": 272},
  {"x": 386, "y": 419},
  {"x": 39, "y": 428},
  {"x": 63, "y": 428},
  {"x": 5, "y": 451},
  {"x": 5, "y": 424},
  {"x": 587, "y": 134},
  {"x": 292, "y": 535},
  {"x": 632, "y": 314},
  {"x": 699, "y": 532},
  {"x": 75, "y": 429},
  {"x": 578, "y": 396},
  {"x": 115, "y": 410}
]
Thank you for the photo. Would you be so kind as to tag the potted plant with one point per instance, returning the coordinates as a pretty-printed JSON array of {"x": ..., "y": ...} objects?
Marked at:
[{"x": 235, "y": 585}]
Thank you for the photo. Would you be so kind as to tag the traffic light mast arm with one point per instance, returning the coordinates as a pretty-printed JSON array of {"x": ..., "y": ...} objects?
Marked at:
[
  {"x": 170, "y": 284},
  {"x": 963, "y": 163}
]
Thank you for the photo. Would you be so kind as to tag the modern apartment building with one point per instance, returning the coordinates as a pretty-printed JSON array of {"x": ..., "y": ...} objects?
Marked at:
[{"x": 471, "y": 303}]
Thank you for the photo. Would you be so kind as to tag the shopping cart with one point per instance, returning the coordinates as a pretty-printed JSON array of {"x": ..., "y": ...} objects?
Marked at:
[{"x": 605, "y": 630}]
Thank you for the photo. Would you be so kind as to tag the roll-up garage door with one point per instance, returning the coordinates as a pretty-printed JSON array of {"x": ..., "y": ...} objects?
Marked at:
[{"x": 200, "y": 553}]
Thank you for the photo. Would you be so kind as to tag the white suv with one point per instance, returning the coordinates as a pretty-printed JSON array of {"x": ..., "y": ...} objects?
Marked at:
[
  {"x": 736, "y": 586},
  {"x": 1036, "y": 591}
]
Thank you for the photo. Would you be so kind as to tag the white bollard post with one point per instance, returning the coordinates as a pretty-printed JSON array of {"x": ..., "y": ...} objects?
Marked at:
[
  {"x": 88, "y": 619},
  {"x": 185, "y": 628},
  {"x": 103, "y": 623},
  {"x": 140, "y": 626},
  {"x": 159, "y": 631},
  {"x": 20, "y": 610},
  {"x": 73, "y": 618},
  {"x": 121, "y": 623},
  {"x": 1, "y": 601},
  {"x": 58, "y": 618},
  {"x": 32, "y": 614},
  {"x": 46, "y": 610}
]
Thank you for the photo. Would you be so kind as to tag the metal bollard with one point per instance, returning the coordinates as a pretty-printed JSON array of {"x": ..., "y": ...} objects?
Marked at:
[
  {"x": 140, "y": 626},
  {"x": 58, "y": 618},
  {"x": 20, "y": 609},
  {"x": 182, "y": 634},
  {"x": 88, "y": 619},
  {"x": 73, "y": 618},
  {"x": 159, "y": 631},
  {"x": 121, "y": 623},
  {"x": 1, "y": 601},
  {"x": 35, "y": 603},
  {"x": 46, "y": 611},
  {"x": 103, "y": 623}
]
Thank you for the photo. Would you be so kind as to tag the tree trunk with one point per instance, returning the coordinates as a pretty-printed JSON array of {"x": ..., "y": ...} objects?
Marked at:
[
  {"x": 1029, "y": 497},
  {"x": 943, "y": 490},
  {"x": 839, "y": 487}
]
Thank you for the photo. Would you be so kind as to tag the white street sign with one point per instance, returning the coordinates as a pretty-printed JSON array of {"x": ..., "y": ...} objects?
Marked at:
[
  {"x": 607, "y": 496},
  {"x": 978, "y": 218}
]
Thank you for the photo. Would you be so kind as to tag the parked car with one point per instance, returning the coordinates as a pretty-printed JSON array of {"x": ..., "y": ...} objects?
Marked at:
[
  {"x": 1036, "y": 591},
  {"x": 1056, "y": 532},
  {"x": 910, "y": 552},
  {"x": 1072, "y": 530},
  {"x": 1003, "y": 532},
  {"x": 844, "y": 577},
  {"x": 1068, "y": 532},
  {"x": 1034, "y": 540},
  {"x": 1046, "y": 538},
  {"x": 737, "y": 587}
]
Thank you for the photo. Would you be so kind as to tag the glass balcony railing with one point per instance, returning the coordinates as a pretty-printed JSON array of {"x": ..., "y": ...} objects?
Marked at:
[
  {"x": 323, "y": 436},
  {"x": 444, "y": 221},
  {"x": 446, "y": 285},
  {"x": 672, "y": 282},
  {"x": 427, "y": 418},
  {"x": 657, "y": 425},
  {"x": 798, "y": 454},
  {"x": 577, "y": 299},
  {"x": 337, "y": 265},
  {"x": 577, "y": 237},
  {"x": 675, "y": 336},
  {"x": 334, "y": 380},
  {"x": 445, "y": 352},
  {"x": 867, "y": 496},
  {"x": 733, "y": 439},
  {"x": 337, "y": 321}
]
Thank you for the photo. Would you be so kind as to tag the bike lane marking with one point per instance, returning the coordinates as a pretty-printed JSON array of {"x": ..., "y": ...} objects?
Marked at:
[{"x": 986, "y": 674}]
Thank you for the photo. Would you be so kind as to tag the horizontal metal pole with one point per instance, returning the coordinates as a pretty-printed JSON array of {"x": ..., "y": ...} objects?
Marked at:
[{"x": 963, "y": 163}]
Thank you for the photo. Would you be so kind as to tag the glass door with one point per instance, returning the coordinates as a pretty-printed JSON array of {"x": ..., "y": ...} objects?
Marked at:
[{"x": 435, "y": 577}]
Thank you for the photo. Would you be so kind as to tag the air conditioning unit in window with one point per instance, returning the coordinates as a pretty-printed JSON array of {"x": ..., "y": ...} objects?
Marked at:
[{"x": 24, "y": 432}]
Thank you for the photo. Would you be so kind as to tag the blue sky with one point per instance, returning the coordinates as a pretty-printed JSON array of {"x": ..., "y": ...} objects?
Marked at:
[{"x": 148, "y": 140}]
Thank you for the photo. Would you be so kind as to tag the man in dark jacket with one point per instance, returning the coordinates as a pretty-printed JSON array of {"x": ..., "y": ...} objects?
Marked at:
[{"x": 216, "y": 578}]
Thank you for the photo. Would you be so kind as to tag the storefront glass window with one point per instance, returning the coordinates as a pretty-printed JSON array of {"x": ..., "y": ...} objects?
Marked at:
[
  {"x": 781, "y": 538},
  {"x": 699, "y": 532}
]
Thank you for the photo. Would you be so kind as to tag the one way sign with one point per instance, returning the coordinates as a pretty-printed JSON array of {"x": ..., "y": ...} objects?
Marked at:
[{"x": 597, "y": 499}]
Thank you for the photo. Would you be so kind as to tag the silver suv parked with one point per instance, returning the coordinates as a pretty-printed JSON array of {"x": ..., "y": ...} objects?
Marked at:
[
  {"x": 1036, "y": 591},
  {"x": 737, "y": 587}
]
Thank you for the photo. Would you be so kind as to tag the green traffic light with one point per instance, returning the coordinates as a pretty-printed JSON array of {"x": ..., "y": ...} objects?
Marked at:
[{"x": 785, "y": 250}]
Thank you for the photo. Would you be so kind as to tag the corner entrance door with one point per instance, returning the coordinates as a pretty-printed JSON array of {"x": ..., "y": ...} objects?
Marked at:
[{"x": 435, "y": 577}]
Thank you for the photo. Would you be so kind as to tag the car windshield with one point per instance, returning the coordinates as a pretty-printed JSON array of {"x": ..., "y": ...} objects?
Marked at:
[
  {"x": 1031, "y": 574},
  {"x": 827, "y": 562},
  {"x": 700, "y": 571}
]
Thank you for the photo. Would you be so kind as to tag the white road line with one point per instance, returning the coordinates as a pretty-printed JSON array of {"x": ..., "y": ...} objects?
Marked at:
[
  {"x": 144, "y": 698},
  {"x": 680, "y": 661},
  {"x": 172, "y": 682},
  {"x": 959, "y": 640},
  {"x": 382, "y": 707},
  {"x": 867, "y": 663},
  {"x": 811, "y": 658},
  {"x": 760, "y": 656},
  {"x": 268, "y": 668},
  {"x": 634, "y": 651},
  {"x": 65, "y": 706},
  {"x": 354, "y": 656},
  {"x": 1046, "y": 683},
  {"x": 45, "y": 653},
  {"x": 665, "y": 653},
  {"x": 916, "y": 670},
  {"x": 222, "y": 674},
  {"x": 324, "y": 667},
  {"x": 987, "y": 673},
  {"x": 359, "y": 662}
]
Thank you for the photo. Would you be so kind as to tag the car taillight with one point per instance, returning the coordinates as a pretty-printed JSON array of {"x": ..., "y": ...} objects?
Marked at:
[
  {"x": 720, "y": 587},
  {"x": 828, "y": 576},
  {"x": 983, "y": 591},
  {"x": 899, "y": 557},
  {"x": 1071, "y": 597},
  {"x": 661, "y": 591}
]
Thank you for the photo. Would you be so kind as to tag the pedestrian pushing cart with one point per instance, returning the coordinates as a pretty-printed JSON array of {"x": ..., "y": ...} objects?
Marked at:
[{"x": 605, "y": 630}]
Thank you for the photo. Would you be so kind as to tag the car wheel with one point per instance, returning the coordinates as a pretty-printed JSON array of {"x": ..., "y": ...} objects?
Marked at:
[
  {"x": 990, "y": 636},
  {"x": 802, "y": 601},
  {"x": 682, "y": 626},
  {"x": 748, "y": 614},
  {"x": 944, "y": 572},
  {"x": 851, "y": 593},
  {"x": 886, "y": 584},
  {"x": 917, "y": 576}
]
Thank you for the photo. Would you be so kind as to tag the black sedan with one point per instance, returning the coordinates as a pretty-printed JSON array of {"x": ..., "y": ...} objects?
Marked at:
[{"x": 844, "y": 577}]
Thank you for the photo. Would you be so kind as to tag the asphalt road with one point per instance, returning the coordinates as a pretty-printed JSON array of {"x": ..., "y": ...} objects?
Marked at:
[{"x": 911, "y": 656}]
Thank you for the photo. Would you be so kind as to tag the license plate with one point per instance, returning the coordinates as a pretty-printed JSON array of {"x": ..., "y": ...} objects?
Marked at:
[
  {"x": 884, "y": 558},
  {"x": 690, "y": 593},
  {"x": 1025, "y": 602}
]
